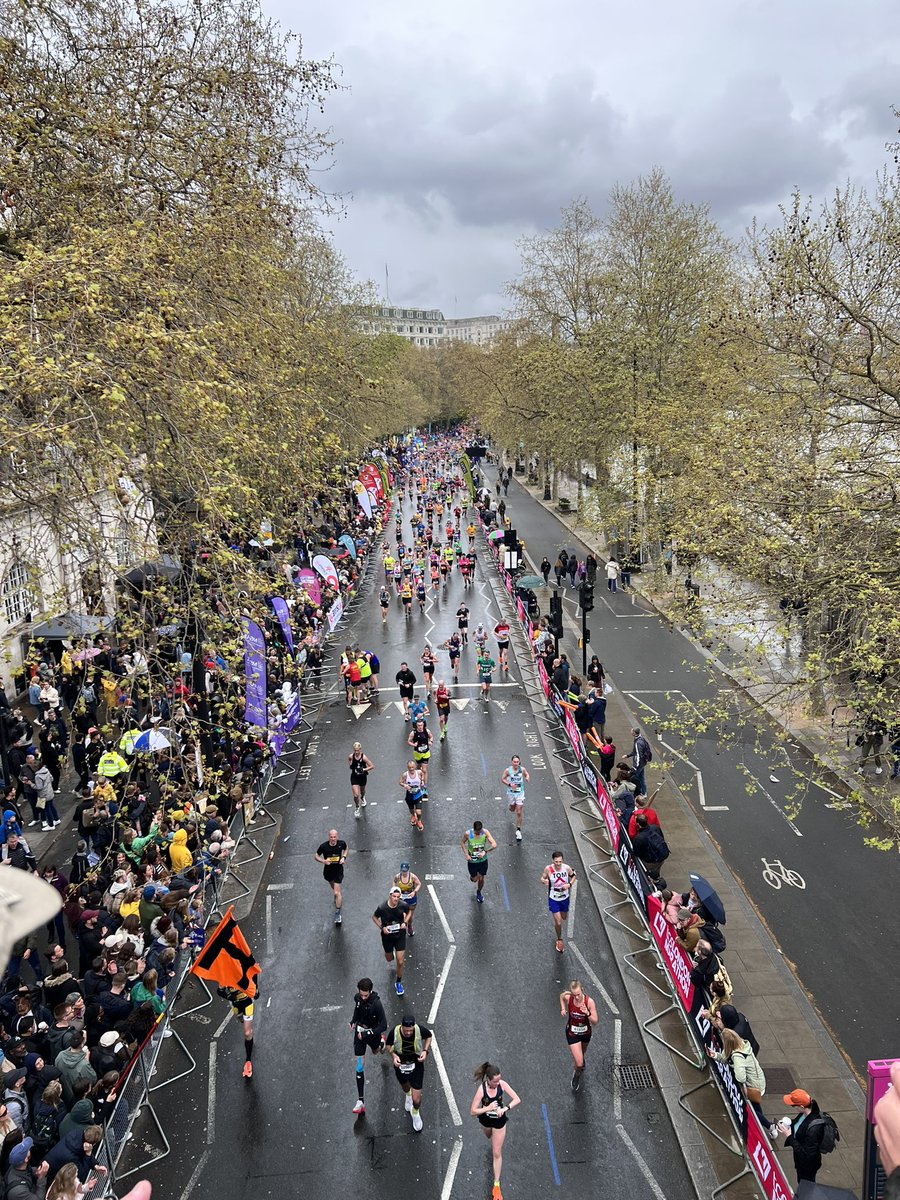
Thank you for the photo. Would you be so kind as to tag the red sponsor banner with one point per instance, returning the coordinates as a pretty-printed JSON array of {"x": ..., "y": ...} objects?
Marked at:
[
  {"x": 507, "y": 579},
  {"x": 609, "y": 814},
  {"x": 529, "y": 629},
  {"x": 544, "y": 677},
  {"x": 765, "y": 1165},
  {"x": 574, "y": 735},
  {"x": 520, "y": 609},
  {"x": 677, "y": 962}
]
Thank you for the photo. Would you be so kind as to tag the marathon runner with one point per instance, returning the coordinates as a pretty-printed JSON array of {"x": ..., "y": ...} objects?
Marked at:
[
  {"x": 492, "y": 1103},
  {"x": 477, "y": 843},
  {"x": 485, "y": 666},
  {"x": 242, "y": 1008},
  {"x": 406, "y": 682},
  {"x": 390, "y": 918},
  {"x": 462, "y": 614},
  {"x": 333, "y": 854},
  {"x": 410, "y": 1044},
  {"x": 501, "y": 633},
  {"x": 384, "y": 599},
  {"x": 480, "y": 637},
  {"x": 558, "y": 878},
  {"x": 409, "y": 885},
  {"x": 421, "y": 739},
  {"x": 411, "y": 782},
  {"x": 369, "y": 1025},
  {"x": 406, "y": 597},
  {"x": 452, "y": 646},
  {"x": 428, "y": 664},
  {"x": 514, "y": 779},
  {"x": 442, "y": 698},
  {"x": 360, "y": 766},
  {"x": 581, "y": 1016}
]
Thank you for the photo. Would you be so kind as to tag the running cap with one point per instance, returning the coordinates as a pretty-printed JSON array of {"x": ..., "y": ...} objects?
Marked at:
[
  {"x": 395, "y": 891},
  {"x": 798, "y": 1098},
  {"x": 404, "y": 866},
  {"x": 407, "y": 1021}
]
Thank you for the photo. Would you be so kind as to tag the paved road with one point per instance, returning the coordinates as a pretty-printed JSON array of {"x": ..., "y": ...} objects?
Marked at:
[
  {"x": 291, "y": 1130},
  {"x": 840, "y": 930}
]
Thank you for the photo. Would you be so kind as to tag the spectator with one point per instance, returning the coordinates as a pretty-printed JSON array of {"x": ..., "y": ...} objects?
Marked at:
[
  {"x": 747, "y": 1072},
  {"x": 149, "y": 909},
  {"x": 687, "y": 930},
  {"x": 647, "y": 809},
  {"x": 806, "y": 1133},
  {"x": 22, "y": 1181},
  {"x": 78, "y": 1147},
  {"x": 728, "y": 1017},
  {"x": 607, "y": 758},
  {"x": 66, "y": 1185},
  {"x": 15, "y": 853},
  {"x": 641, "y": 755},
  {"x": 613, "y": 572},
  {"x": 43, "y": 782},
  {"x": 561, "y": 673},
  {"x": 74, "y": 1064},
  {"x": 145, "y": 992},
  {"x": 623, "y": 790},
  {"x": 14, "y": 1098},
  {"x": 88, "y": 937},
  {"x": 57, "y": 986},
  {"x": 650, "y": 846},
  {"x": 81, "y": 1116},
  {"x": 706, "y": 965},
  {"x": 47, "y": 1115}
]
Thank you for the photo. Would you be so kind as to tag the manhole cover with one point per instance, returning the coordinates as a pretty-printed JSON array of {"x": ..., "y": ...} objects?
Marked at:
[
  {"x": 632, "y": 1076},
  {"x": 779, "y": 1079}
]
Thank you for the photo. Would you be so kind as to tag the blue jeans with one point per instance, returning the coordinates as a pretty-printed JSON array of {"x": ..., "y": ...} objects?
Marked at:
[
  {"x": 611, "y": 584},
  {"x": 49, "y": 815}
]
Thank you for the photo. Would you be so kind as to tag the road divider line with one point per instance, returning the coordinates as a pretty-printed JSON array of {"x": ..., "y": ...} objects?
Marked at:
[
  {"x": 445, "y": 1081},
  {"x": 270, "y": 941},
  {"x": 607, "y": 998},
  {"x": 505, "y": 892},
  {"x": 702, "y": 797},
  {"x": 211, "y": 1100},
  {"x": 642, "y": 1164},
  {"x": 279, "y": 887},
  {"x": 617, "y": 1061},
  {"x": 224, "y": 1024},
  {"x": 445, "y": 971},
  {"x": 550, "y": 1145},
  {"x": 440, "y": 912},
  {"x": 436, "y": 878},
  {"x": 452, "y": 1164},
  {"x": 198, "y": 1171}
]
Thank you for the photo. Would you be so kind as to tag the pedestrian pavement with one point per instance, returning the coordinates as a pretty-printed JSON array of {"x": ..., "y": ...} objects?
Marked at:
[
  {"x": 796, "y": 1048},
  {"x": 771, "y": 679}
]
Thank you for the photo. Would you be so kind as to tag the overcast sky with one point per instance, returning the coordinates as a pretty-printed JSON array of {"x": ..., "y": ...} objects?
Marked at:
[{"x": 466, "y": 125}]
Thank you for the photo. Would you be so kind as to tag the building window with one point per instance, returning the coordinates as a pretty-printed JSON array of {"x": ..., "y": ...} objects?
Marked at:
[{"x": 18, "y": 600}]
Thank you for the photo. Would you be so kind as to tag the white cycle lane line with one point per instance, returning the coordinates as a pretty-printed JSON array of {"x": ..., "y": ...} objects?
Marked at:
[{"x": 455, "y": 1115}]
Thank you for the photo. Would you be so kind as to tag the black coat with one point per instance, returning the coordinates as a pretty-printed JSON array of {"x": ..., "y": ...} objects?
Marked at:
[
  {"x": 805, "y": 1139},
  {"x": 704, "y": 971}
]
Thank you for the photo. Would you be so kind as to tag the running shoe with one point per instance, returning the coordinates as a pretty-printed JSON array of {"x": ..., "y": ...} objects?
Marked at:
[
  {"x": 576, "y": 1080},
  {"x": 359, "y": 1107},
  {"x": 338, "y": 918},
  {"x": 399, "y": 986},
  {"x": 559, "y": 946},
  {"x": 408, "y": 1104},
  {"x": 357, "y": 813},
  {"x": 443, "y": 734},
  {"x": 419, "y": 825},
  {"x": 412, "y": 820},
  {"x": 411, "y": 932},
  {"x": 363, "y": 802},
  {"x": 518, "y": 835},
  {"x": 248, "y": 1070},
  {"x": 496, "y": 1194},
  {"x": 416, "y": 1120},
  {"x": 479, "y": 897}
]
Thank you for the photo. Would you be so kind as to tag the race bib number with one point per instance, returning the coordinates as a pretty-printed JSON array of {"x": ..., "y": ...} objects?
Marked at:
[
  {"x": 407, "y": 1068},
  {"x": 394, "y": 928},
  {"x": 577, "y": 1029}
]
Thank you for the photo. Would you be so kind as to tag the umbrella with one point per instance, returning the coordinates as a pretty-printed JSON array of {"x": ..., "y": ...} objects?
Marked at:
[
  {"x": 498, "y": 533},
  {"x": 165, "y": 567},
  {"x": 90, "y": 652},
  {"x": 807, "y": 1190},
  {"x": 709, "y": 898},
  {"x": 531, "y": 581},
  {"x": 150, "y": 740}
]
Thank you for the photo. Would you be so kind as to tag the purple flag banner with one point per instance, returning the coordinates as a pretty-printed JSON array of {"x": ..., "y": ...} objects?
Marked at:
[
  {"x": 283, "y": 613},
  {"x": 254, "y": 674},
  {"x": 309, "y": 581}
]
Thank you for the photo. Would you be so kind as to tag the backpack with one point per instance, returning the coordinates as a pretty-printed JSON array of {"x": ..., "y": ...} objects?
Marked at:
[
  {"x": 44, "y": 1129},
  {"x": 831, "y": 1135},
  {"x": 711, "y": 933}
]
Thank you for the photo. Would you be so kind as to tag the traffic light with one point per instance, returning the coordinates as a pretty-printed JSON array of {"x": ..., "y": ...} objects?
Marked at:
[
  {"x": 556, "y": 615},
  {"x": 586, "y": 597}
]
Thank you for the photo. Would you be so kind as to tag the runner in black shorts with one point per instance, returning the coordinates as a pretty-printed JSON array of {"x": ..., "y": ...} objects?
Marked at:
[
  {"x": 428, "y": 664},
  {"x": 491, "y": 1106},
  {"x": 462, "y": 614},
  {"x": 333, "y": 854},
  {"x": 410, "y": 1044},
  {"x": 369, "y": 1026},
  {"x": 581, "y": 1017},
  {"x": 390, "y": 918},
  {"x": 476, "y": 844},
  {"x": 452, "y": 646},
  {"x": 360, "y": 766}
]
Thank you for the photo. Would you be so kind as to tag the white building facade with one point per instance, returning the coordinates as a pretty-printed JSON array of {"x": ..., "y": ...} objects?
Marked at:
[{"x": 429, "y": 326}]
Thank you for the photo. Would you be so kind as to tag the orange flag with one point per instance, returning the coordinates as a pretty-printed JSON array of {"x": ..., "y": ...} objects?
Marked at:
[{"x": 226, "y": 958}]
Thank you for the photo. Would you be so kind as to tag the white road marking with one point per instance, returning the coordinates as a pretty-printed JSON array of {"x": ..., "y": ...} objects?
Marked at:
[
  {"x": 211, "y": 1102},
  {"x": 270, "y": 944},
  {"x": 222, "y": 1027},
  {"x": 440, "y": 912},
  {"x": 435, "y": 1004},
  {"x": 702, "y": 797},
  {"x": 326, "y": 1008},
  {"x": 445, "y": 1082},
  {"x": 642, "y": 1165},
  {"x": 280, "y": 887},
  {"x": 677, "y": 753},
  {"x": 617, "y": 1059},
  {"x": 592, "y": 975},
  {"x": 452, "y": 1164},
  {"x": 439, "y": 878},
  {"x": 198, "y": 1171}
]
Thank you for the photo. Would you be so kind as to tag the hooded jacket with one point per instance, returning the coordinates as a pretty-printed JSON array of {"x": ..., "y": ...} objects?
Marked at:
[
  {"x": 369, "y": 1013},
  {"x": 732, "y": 1019},
  {"x": 73, "y": 1065},
  {"x": 69, "y": 1150},
  {"x": 179, "y": 855},
  {"x": 78, "y": 1119}
]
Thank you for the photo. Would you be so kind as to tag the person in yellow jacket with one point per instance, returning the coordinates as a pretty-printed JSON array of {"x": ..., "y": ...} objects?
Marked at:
[
  {"x": 111, "y": 764},
  {"x": 179, "y": 855}
]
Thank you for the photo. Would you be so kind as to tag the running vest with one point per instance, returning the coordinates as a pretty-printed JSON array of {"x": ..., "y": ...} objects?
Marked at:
[
  {"x": 477, "y": 843},
  {"x": 559, "y": 883},
  {"x": 405, "y": 887},
  {"x": 420, "y": 740},
  {"x": 578, "y": 1022},
  {"x": 492, "y": 1114},
  {"x": 414, "y": 783},
  {"x": 516, "y": 782},
  {"x": 358, "y": 765}
]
